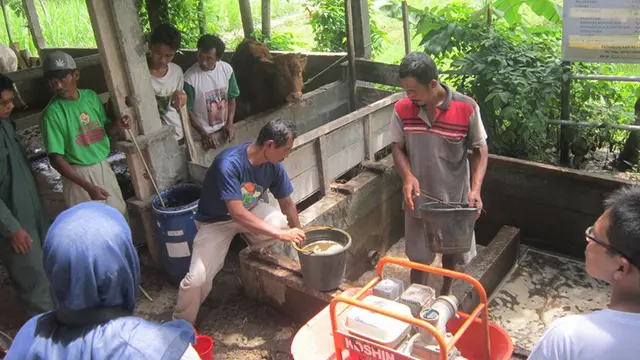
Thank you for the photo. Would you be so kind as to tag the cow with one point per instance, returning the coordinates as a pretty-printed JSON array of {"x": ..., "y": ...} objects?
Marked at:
[
  {"x": 8, "y": 60},
  {"x": 265, "y": 81}
]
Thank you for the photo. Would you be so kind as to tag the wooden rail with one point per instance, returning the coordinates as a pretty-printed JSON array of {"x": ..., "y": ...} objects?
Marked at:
[{"x": 327, "y": 152}]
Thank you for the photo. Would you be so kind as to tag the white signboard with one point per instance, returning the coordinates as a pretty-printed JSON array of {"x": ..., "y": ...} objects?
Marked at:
[{"x": 601, "y": 31}]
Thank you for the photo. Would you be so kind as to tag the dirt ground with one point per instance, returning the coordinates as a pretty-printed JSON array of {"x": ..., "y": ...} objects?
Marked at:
[{"x": 240, "y": 327}]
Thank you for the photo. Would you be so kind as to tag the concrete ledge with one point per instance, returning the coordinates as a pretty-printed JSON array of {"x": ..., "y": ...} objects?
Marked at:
[
  {"x": 491, "y": 265},
  {"x": 284, "y": 288}
]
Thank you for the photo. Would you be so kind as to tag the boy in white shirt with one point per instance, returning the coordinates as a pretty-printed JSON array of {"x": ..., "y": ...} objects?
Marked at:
[
  {"x": 166, "y": 77},
  {"x": 212, "y": 90},
  {"x": 612, "y": 255}
]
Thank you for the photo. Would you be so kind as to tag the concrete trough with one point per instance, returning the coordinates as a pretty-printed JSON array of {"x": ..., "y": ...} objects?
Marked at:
[{"x": 372, "y": 215}]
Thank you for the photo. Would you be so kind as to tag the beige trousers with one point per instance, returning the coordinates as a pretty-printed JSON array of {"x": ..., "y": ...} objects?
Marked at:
[
  {"x": 210, "y": 248},
  {"x": 99, "y": 174}
]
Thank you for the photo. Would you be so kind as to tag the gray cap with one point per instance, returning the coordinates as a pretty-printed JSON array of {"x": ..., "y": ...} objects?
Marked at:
[{"x": 57, "y": 61}]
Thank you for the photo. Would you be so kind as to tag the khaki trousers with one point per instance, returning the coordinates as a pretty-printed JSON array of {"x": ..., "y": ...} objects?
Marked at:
[
  {"x": 210, "y": 248},
  {"x": 99, "y": 174}
]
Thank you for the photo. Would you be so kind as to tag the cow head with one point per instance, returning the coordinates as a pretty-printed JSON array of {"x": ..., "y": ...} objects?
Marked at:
[{"x": 290, "y": 68}]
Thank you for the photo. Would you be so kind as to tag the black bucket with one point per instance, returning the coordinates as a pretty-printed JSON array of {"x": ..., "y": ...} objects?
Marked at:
[
  {"x": 320, "y": 271},
  {"x": 448, "y": 227}
]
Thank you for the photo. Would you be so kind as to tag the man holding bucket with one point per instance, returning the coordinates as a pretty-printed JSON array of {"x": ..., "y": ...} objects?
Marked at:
[
  {"x": 232, "y": 202},
  {"x": 431, "y": 131}
]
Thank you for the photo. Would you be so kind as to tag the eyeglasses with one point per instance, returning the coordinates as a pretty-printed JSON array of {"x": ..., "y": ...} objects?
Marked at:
[
  {"x": 7, "y": 102},
  {"x": 590, "y": 237}
]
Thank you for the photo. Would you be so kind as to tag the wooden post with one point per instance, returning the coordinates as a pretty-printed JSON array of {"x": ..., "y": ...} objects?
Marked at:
[
  {"x": 565, "y": 97},
  {"x": 266, "y": 18},
  {"x": 369, "y": 152},
  {"x": 361, "y": 28},
  {"x": 405, "y": 27},
  {"x": 202, "y": 18},
  {"x": 352, "y": 56},
  {"x": 6, "y": 23},
  {"x": 247, "y": 18},
  {"x": 323, "y": 165},
  {"x": 34, "y": 24}
]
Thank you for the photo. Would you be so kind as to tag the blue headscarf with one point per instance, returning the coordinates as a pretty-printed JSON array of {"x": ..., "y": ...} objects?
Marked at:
[{"x": 94, "y": 271}]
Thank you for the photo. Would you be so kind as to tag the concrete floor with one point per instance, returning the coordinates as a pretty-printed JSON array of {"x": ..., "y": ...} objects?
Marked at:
[{"x": 542, "y": 288}]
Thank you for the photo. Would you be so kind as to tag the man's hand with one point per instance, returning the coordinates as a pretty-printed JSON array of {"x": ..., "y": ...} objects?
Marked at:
[
  {"x": 21, "y": 242},
  {"x": 178, "y": 99},
  {"x": 410, "y": 189},
  {"x": 231, "y": 132},
  {"x": 97, "y": 193},
  {"x": 209, "y": 141},
  {"x": 124, "y": 122},
  {"x": 292, "y": 235},
  {"x": 475, "y": 200}
]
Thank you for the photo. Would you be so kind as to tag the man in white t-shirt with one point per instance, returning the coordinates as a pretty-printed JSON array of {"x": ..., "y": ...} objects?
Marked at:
[
  {"x": 612, "y": 255},
  {"x": 166, "y": 77},
  {"x": 212, "y": 90}
]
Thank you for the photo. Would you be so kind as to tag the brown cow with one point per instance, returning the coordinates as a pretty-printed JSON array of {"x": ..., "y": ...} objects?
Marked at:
[{"x": 266, "y": 81}]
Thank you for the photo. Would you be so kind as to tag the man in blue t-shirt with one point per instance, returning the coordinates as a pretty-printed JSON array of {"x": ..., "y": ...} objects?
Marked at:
[{"x": 234, "y": 201}]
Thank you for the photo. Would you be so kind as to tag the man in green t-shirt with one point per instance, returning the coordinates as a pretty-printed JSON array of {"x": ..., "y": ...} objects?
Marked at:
[{"x": 76, "y": 131}]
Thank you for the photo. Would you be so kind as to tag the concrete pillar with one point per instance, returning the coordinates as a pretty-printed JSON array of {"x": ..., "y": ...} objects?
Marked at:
[
  {"x": 120, "y": 42},
  {"x": 361, "y": 28}
]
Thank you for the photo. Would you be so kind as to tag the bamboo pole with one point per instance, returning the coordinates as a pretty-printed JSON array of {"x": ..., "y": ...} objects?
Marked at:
[{"x": 405, "y": 27}]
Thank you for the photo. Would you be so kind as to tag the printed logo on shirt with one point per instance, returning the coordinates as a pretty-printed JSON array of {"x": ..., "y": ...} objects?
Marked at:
[
  {"x": 250, "y": 194},
  {"x": 163, "y": 104},
  {"x": 216, "y": 103},
  {"x": 89, "y": 132}
]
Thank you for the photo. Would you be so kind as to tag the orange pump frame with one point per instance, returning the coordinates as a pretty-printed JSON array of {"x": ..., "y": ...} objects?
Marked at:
[{"x": 340, "y": 338}]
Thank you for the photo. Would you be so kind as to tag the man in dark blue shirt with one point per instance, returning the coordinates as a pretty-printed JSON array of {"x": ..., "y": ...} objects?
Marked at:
[{"x": 234, "y": 201}]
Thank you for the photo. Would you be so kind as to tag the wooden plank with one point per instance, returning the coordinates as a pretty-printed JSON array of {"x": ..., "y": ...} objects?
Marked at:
[
  {"x": 338, "y": 141},
  {"x": 346, "y": 160},
  {"x": 345, "y": 120},
  {"x": 323, "y": 165},
  {"x": 369, "y": 152},
  {"x": 301, "y": 160},
  {"x": 378, "y": 73},
  {"x": 33, "y": 21},
  {"x": 306, "y": 184}
]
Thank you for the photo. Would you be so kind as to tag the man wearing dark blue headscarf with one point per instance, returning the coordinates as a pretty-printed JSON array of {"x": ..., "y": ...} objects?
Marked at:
[{"x": 94, "y": 270}]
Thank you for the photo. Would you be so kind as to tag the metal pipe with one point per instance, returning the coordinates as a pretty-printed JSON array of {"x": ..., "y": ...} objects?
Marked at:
[
  {"x": 593, "y": 124},
  {"x": 606, "y": 78},
  {"x": 405, "y": 27},
  {"x": 351, "y": 52}
]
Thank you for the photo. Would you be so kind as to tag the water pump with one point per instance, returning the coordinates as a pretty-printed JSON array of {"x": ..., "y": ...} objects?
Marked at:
[{"x": 424, "y": 345}]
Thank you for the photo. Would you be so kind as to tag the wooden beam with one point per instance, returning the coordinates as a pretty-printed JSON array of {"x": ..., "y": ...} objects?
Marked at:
[
  {"x": 361, "y": 29},
  {"x": 405, "y": 27},
  {"x": 266, "y": 18},
  {"x": 351, "y": 52},
  {"x": 6, "y": 22},
  {"x": 247, "y": 18},
  {"x": 33, "y": 21},
  {"x": 369, "y": 152},
  {"x": 378, "y": 73},
  {"x": 323, "y": 164}
]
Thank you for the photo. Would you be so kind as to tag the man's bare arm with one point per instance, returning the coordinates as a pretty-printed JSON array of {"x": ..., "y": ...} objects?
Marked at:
[
  {"x": 289, "y": 209},
  {"x": 479, "y": 160},
  {"x": 401, "y": 161},
  {"x": 65, "y": 169},
  {"x": 231, "y": 110},
  {"x": 250, "y": 221}
]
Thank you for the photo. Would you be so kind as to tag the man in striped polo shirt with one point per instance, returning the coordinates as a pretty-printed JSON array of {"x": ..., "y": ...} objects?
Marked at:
[{"x": 432, "y": 130}]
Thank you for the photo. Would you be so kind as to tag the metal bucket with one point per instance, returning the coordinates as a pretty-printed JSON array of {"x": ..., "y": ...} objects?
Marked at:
[
  {"x": 448, "y": 227},
  {"x": 324, "y": 272}
]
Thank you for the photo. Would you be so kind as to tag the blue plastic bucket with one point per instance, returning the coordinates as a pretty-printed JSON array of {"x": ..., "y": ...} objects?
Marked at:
[{"x": 175, "y": 228}]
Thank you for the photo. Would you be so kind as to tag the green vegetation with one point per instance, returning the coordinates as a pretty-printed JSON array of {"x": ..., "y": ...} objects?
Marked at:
[{"x": 512, "y": 68}]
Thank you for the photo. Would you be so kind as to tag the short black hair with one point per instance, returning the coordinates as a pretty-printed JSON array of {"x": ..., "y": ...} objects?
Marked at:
[
  {"x": 166, "y": 34},
  {"x": 209, "y": 42},
  {"x": 623, "y": 233},
  {"x": 420, "y": 66},
  {"x": 279, "y": 131},
  {"x": 6, "y": 84}
]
